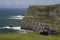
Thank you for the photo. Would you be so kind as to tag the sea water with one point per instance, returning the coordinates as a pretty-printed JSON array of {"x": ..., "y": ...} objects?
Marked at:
[{"x": 10, "y": 14}]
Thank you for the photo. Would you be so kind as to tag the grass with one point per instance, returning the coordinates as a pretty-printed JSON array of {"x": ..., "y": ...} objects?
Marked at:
[
  {"x": 27, "y": 36},
  {"x": 43, "y": 6}
]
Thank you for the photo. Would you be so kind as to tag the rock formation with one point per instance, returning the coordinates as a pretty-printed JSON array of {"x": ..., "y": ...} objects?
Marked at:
[{"x": 37, "y": 15}]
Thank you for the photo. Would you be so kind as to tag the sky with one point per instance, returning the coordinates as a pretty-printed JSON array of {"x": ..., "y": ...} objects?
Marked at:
[{"x": 25, "y": 3}]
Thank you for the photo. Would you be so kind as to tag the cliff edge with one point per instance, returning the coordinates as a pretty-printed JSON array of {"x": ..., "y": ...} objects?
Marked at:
[{"x": 36, "y": 16}]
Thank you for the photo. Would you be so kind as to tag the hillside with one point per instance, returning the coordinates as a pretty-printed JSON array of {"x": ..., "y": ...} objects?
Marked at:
[{"x": 46, "y": 15}]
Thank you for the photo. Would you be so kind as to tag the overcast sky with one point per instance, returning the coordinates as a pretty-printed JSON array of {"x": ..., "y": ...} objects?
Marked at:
[{"x": 25, "y": 3}]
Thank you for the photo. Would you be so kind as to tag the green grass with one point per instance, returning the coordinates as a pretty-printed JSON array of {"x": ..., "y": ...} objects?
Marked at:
[
  {"x": 27, "y": 36},
  {"x": 43, "y": 6}
]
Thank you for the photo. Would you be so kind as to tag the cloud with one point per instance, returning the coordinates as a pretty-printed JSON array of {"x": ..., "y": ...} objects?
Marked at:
[
  {"x": 8, "y": 3},
  {"x": 23, "y": 3},
  {"x": 17, "y": 2}
]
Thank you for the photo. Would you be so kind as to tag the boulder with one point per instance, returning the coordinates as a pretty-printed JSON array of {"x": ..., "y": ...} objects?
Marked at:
[{"x": 44, "y": 33}]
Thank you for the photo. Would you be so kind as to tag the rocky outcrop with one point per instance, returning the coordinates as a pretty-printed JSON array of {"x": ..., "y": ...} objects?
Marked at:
[{"x": 37, "y": 15}]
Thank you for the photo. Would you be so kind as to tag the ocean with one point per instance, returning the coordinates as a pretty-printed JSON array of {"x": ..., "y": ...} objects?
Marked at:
[{"x": 10, "y": 14}]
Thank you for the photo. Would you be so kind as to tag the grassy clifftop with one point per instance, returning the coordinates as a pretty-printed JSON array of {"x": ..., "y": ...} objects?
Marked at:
[
  {"x": 44, "y": 6},
  {"x": 43, "y": 11}
]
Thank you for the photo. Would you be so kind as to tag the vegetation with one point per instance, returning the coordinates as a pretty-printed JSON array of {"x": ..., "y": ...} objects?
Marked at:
[
  {"x": 50, "y": 20},
  {"x": 44, "y": 6},
  {"x": 27, "y": 36}
]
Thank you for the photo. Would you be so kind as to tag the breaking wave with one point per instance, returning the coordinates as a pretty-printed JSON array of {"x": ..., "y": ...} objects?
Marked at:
[{"x": 16, "y": 17}]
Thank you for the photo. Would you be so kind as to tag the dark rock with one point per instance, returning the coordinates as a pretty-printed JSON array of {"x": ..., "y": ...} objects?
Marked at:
[
  {"x": 44, "y": 33},
  {"x": 10, "y": 26}
]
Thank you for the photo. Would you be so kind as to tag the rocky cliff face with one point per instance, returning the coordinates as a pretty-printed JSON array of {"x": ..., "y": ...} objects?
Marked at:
[{"x": 37, "y": 15}]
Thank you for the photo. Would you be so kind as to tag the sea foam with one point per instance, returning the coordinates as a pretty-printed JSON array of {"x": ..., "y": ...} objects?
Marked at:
[{"x": 16, "y": 17}]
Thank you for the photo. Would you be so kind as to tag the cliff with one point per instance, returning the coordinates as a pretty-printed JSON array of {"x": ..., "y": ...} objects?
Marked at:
[{"x": 35, "y": 16}]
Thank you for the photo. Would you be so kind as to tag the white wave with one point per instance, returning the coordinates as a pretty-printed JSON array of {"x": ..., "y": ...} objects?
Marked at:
[
  {"x": 16, "y": 17},
  {"x": 14, "y": 28}
]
